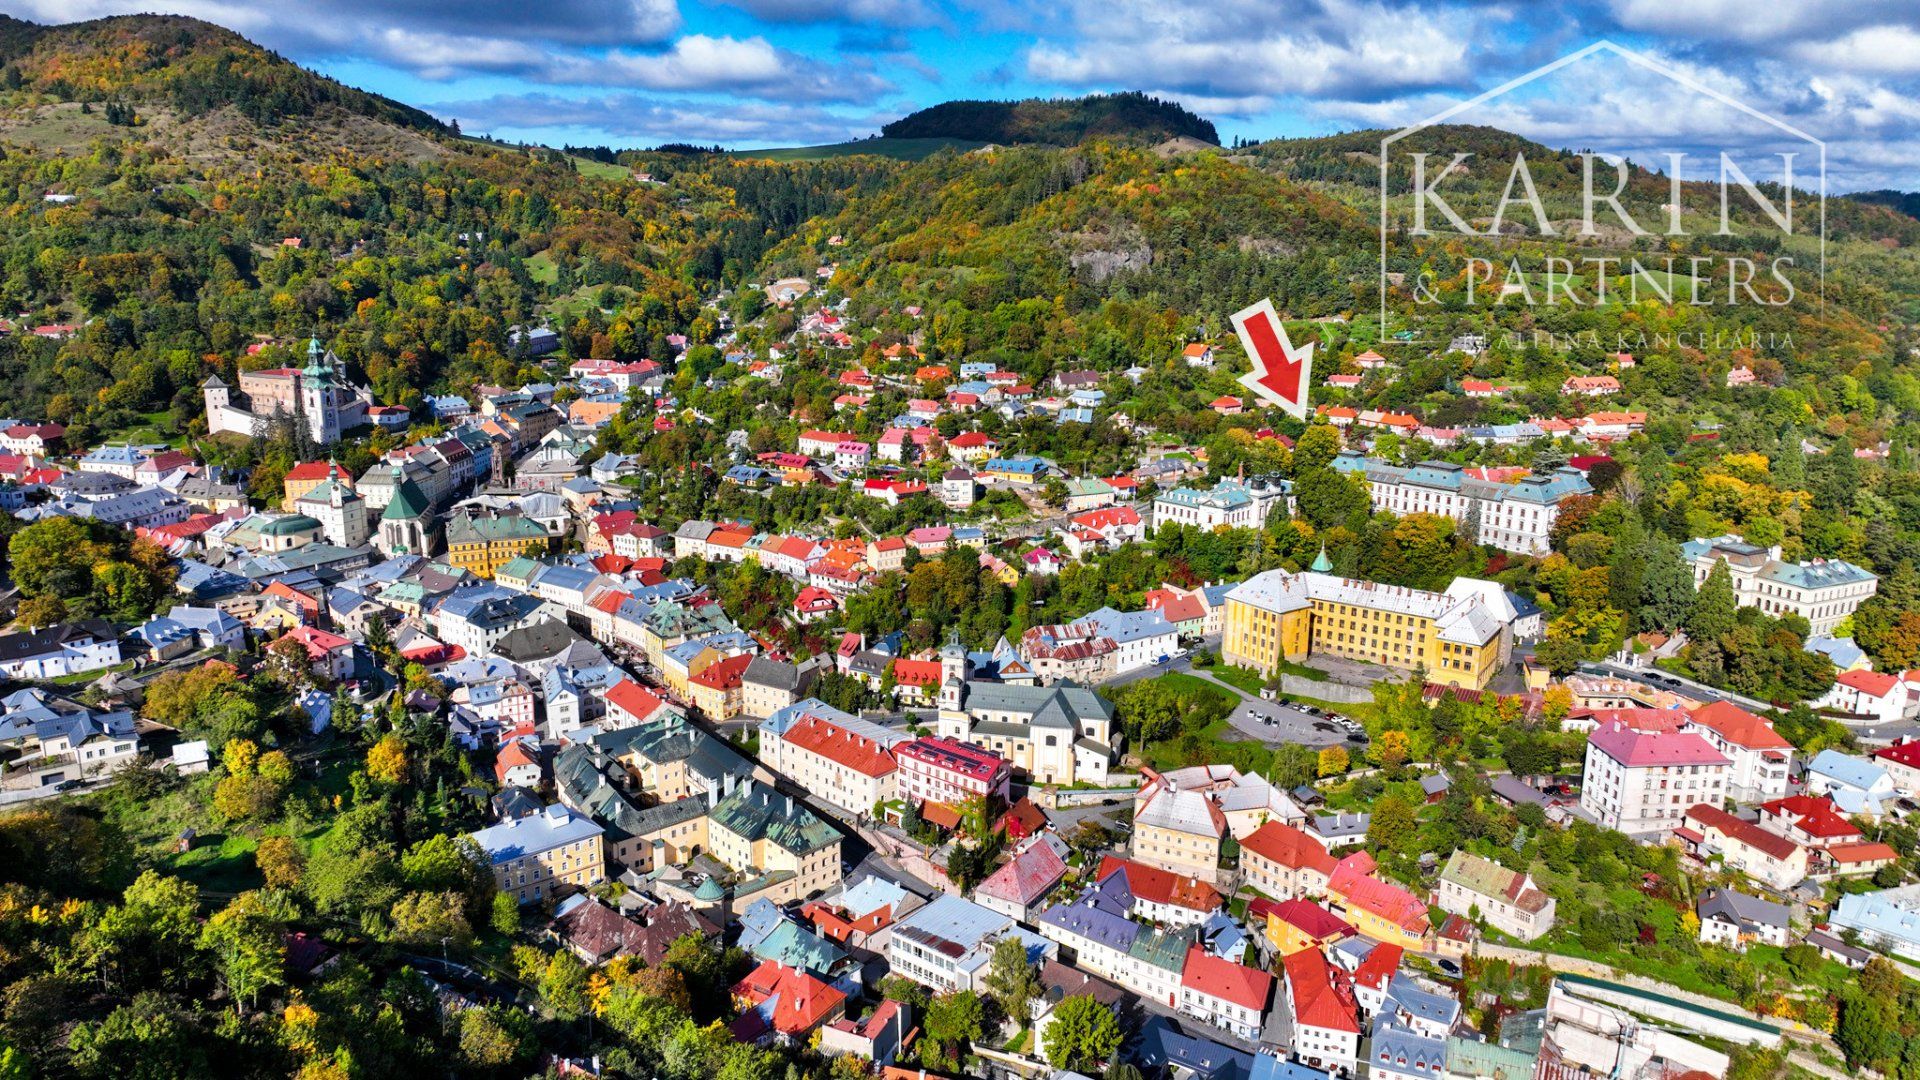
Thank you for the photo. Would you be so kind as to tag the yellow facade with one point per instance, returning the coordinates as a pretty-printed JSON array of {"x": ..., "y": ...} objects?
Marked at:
[
  {"x": 1289, "y": 939},
  {"x": 1371, "y": 924},
  {"x": 1187, "y": 853},
  {"x": 1261, "y": 639},
  {"x": 581, "y": 864},
  {"x": 483, "y": 557},
  {"x": 295, "y": 490}
]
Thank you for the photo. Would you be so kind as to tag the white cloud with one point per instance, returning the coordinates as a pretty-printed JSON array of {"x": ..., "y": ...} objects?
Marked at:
[
  {"x": 339, "y": 24},
  {"x": 1882, "y": 50},
  {"x": 1253, "y": 48},
  {"x": 639, "y": 118},
  {"x": 887, "y": 13},
  {"x": 698, "y": 62}
]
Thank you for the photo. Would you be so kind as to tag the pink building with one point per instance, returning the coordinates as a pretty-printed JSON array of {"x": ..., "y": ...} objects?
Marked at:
[{"x": 948, "y": 771}]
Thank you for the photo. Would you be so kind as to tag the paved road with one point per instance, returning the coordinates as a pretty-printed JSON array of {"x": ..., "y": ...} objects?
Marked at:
[{"x": 1694, "y": 689}]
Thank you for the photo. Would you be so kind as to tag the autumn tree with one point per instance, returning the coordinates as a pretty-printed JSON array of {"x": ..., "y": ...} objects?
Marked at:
[
  {"x": 1334, "y": 760},
  {"x": 1083, "y": 1034},
  {"x": 387, "y": 760},
  {"x": 281, "y": 862}
]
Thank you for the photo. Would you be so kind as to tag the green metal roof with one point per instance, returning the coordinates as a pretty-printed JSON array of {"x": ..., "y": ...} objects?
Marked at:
[
  {"x": 287, "y": 526},
  {"x": 408, "y": 501}
]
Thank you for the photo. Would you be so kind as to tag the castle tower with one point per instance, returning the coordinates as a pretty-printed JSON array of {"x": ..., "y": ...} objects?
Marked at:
[
  {"x": 218, "y": 399},
  {"x": 318, "y": 397}
]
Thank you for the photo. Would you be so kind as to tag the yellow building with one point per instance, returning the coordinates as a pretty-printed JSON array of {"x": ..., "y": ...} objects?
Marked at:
[
  {"x": 1459, "y": 637},
  {"x": 303, "y": 478},
  {"x": 482, "y": 545},
  {"x": 545, "y": 854}
]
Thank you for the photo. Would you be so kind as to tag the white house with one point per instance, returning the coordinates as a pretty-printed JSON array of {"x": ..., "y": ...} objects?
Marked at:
[
  {"x": 1734, "y": 920},
  {"x": 1882, "y": 696}
]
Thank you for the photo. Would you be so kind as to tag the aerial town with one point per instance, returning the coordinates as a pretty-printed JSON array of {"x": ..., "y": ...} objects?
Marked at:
[{"x": 665, "y": 614}]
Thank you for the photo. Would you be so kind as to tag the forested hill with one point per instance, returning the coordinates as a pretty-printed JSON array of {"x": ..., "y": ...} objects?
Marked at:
[
  {"x": 1906, "y": 202},
  {"x": 184, "y": 64},
  {"x": 1060, "y": 122}
]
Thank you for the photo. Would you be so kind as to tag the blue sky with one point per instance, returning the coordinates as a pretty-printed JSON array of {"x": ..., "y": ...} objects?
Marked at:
[{"x": 748, "y": 73}]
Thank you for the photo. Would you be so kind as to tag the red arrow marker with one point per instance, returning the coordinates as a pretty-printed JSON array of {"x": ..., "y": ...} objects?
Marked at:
[{"x": 1280, "y": 373}]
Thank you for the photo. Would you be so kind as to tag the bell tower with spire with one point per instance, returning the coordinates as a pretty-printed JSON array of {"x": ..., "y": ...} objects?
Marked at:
[
  {"x": 953, "y": 674},
  {"x": 318, "y": 398}
]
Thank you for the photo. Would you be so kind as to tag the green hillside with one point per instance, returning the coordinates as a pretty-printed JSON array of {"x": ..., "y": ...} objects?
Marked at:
[{"x": 191, "y": 66}]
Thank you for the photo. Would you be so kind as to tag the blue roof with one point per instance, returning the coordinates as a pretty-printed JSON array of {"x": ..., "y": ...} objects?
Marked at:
[
  {"x": 1891, "y": 916},
  {"x": 1851, "y": 771},
  {"x": 956, "y": 919},
  {"x": 1163, "y": 1046},
  {"x": 1266, "y": 1067},
  {"x": 1091, "y": 918},
  {"x": 1393, "y": 1045},
  {"x": 1842, "y": 651},
  {"x": 1422, "y": 1002},
  {"x": 544, "y": 831},
  {"x": 1127, "y": 626},
  {"x": 1015, "y": 465}
]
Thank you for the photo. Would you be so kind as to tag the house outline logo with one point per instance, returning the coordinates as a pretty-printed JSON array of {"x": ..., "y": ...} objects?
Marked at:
[{"x": 1639, "y": 59}]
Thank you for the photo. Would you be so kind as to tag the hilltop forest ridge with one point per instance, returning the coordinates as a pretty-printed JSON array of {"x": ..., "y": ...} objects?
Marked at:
[
  {"x": 502, "y": 610},
  {"x": 1058, "y": 122}
]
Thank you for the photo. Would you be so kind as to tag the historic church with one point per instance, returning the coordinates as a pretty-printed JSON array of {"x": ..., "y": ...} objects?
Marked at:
[{"x": 329, "y": 405}]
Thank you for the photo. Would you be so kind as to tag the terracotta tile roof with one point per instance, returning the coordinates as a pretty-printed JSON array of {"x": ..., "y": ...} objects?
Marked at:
[
  {"x": 1024, "y": 819},
  {"x": 1636, "y": 749},
  {"x": 1377, "y": 969},
  {"x": 1812, "y": 814},
  {"x": 1157, "y": 886},
  {"x": 1306, "y": 916},
  {"x": 1278, "y": 842},
  {"x": 1026, "y": 877},
  {"x": 1712, "y": 818},
  {"x": 1740, "y": 727},
  {"x": 1873, "y": 683},
  {"x": 1906, "y": 753},
  {"x": 940, "y": 815},
  {"x": 724, "y": 674},
  {"x": 799, "y": 1002},
  {"x": 1320, "y": 995},
  {"x": 916, "y": 672},
  {"x": 837, "y": 744},
  {"x": 1225, "y": 980},
  {"x": 1863, "y": 852},
  {"x": 1358, "y": 888},
  {"x": 634, "y": 698}
]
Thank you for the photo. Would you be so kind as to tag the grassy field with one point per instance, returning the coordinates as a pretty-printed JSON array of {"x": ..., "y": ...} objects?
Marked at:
[
  {"x": 542, "y": 267},
  {"x": 897, "y": 149},
  {"x": 602, "y": 170},
  {"x": 1219, "y": 743},
  {"x": 147, "y": 430}
]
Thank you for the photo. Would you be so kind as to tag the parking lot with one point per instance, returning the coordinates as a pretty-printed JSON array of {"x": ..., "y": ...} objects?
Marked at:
[{"x": 1276, "y": 723}]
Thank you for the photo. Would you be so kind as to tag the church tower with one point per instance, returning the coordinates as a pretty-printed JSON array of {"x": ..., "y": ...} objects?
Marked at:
[
  {"x": 953, "y": 676},
  {"x": 318, "y": 397},
  {"x": 406, "y": 525}
]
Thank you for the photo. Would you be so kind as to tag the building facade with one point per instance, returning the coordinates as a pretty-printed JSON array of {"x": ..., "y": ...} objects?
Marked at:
[
  {"x": 1643, "y": 782},
  {"x": 544, "y": 854},
  {"x": 1460, "y": 637},
  {"x": 1825, "y": 592}
]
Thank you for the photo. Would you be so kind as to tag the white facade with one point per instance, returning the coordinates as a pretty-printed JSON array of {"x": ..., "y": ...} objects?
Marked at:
[
  {"x": 1825, "y": 592},
  {"x": 1640, "y": 783}
]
